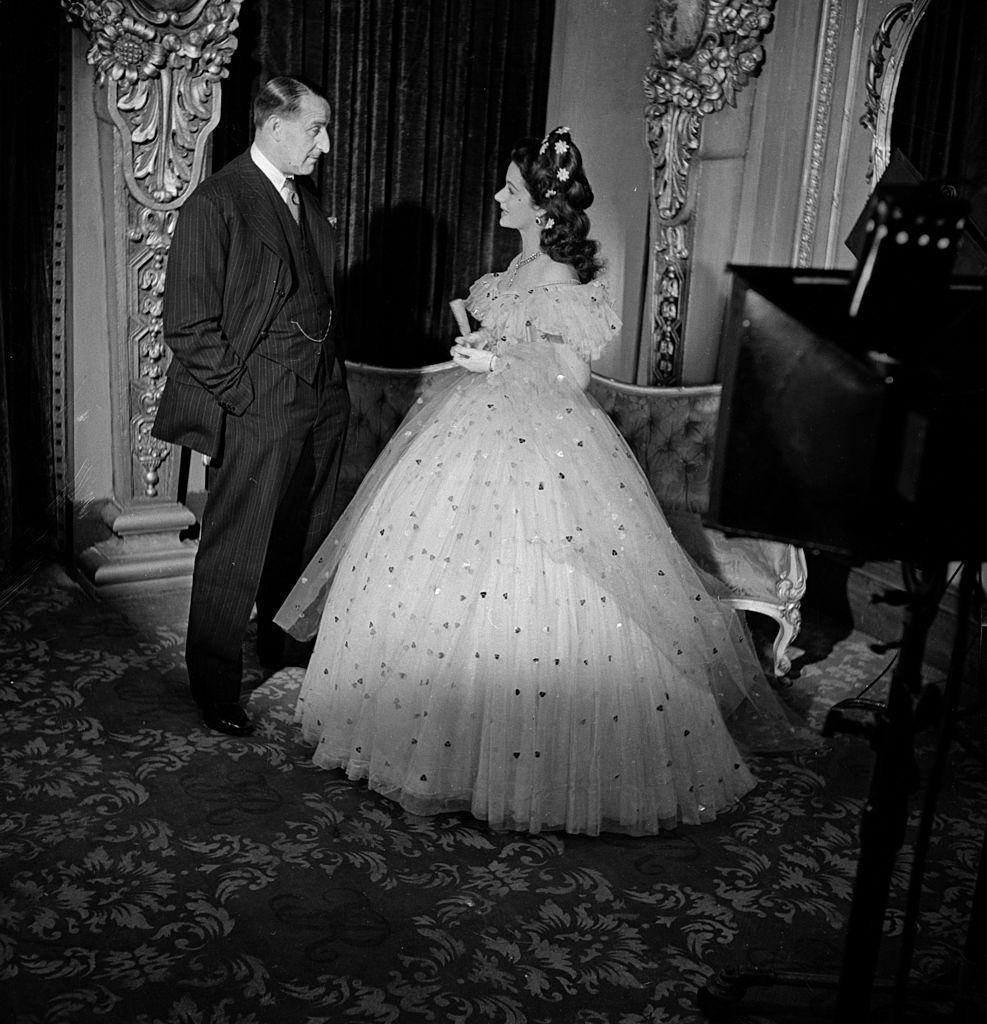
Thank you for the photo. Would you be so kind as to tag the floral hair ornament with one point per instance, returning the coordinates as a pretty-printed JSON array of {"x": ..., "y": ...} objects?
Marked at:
[
  {"x": 561, "y": 130},
  {"x": 560, "y": 146}
]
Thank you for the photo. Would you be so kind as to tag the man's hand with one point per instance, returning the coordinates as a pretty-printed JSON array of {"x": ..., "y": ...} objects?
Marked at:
[{"x": 473, "y": 359}]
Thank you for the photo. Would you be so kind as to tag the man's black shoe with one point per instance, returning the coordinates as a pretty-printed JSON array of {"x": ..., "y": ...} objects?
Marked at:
[{"x": 229, "y": 718}]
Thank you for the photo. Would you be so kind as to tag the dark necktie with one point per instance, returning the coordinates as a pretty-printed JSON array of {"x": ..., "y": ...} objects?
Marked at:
[{"x": 290, "y": 192}]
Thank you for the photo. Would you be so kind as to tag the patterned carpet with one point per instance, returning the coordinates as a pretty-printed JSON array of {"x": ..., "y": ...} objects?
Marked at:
[{"x": 153, "y": 871}]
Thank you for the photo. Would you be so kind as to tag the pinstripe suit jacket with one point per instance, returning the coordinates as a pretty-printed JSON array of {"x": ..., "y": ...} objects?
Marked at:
[{"x": 229, "y": 273}]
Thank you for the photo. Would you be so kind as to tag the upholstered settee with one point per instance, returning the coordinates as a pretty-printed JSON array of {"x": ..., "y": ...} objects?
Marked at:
[
  {"x": 380, "y": 397},
  {"x": 670, "y": 430}
]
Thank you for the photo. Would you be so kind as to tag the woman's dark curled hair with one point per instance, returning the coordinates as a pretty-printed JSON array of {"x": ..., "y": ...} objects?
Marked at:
[{"x": 553, "y": 173}]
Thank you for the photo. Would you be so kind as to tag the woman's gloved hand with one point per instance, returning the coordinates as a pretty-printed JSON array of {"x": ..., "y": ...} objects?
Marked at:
[{"x": 476, "y": 360}]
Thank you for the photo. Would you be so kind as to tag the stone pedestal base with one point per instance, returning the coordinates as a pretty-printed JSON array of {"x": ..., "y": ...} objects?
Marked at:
[{"x": 146, "y": 551}]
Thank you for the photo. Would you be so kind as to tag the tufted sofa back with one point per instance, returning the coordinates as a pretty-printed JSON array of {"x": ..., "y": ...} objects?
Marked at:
[
  {"x": 672, "y": 433},
  {"x": 670, "y": 430},
  {"x": 380, "y": 397}
]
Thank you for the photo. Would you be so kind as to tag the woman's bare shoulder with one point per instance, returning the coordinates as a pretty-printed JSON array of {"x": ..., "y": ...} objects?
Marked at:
[{"x": 553, "y": 272}]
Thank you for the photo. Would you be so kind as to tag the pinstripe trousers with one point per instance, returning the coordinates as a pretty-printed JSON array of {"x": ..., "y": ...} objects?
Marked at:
[{"x": 268, "y": 508}]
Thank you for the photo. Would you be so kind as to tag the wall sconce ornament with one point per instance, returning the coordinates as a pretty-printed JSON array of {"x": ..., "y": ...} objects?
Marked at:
[
  {"x": 705, "y": 52},
  {"x": 160, "y": 62}
]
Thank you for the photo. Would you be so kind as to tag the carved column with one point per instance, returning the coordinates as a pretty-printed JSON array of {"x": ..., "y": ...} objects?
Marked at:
[
  {"x": 705, "y": 51},
  {"x": 158, "y": 66}
]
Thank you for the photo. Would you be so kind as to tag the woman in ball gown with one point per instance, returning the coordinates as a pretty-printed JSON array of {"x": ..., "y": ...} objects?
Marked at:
[{"x": 505, "y": 623}]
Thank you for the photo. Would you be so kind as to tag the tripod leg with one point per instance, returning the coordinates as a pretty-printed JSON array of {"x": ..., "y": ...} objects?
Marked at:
[
  {"x": 972, "y": 998},
  {"x": 881, "y": 836},
  {"x": 947, "y": 723},
  {"x": 885, "y": 815},
  {"x": 972, "y": 1003}
]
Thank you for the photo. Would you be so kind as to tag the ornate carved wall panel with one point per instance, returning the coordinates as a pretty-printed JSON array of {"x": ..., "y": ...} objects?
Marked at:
[
  {"x": 860, "y": 49},
  {"x": 160, "y": 62},
  {"x": 884, "y": 61},
  {"x": 158, "y": 65},
  {"x": 705, "y": 52}
]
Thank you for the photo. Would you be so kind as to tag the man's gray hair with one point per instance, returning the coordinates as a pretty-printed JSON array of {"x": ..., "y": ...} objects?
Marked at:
[{"x": 280, "y": 97}]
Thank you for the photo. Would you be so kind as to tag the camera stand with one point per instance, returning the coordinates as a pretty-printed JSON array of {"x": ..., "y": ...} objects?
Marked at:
[{"x": 891, "y": 733}]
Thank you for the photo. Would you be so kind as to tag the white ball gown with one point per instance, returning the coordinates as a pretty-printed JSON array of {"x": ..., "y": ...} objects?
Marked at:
[{"x": 506, "y": 625}]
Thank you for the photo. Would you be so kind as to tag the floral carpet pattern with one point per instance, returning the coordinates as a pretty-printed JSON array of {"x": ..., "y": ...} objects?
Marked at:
[{"x": 153, "y": 871}]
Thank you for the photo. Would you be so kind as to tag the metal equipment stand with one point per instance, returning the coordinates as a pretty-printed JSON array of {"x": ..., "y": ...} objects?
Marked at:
[{"x": 891, "y": 733}]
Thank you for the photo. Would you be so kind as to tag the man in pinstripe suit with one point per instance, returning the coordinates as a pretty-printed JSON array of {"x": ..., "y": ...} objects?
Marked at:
[{"x": 256, "y": 384}]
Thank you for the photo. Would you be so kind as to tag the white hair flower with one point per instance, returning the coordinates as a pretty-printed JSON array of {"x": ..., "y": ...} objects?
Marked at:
[
  {"x": 550, "y": 223},
  {"x": 561, "y": 146},
  {"x": 563, "y": 174}
]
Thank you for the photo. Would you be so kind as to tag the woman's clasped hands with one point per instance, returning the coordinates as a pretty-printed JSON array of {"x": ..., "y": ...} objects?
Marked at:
[{"x": 470, "y": 353}]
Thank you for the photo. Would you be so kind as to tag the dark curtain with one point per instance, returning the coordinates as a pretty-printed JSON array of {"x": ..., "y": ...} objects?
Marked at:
[
  {"x": 428, "y": 98},
  {"x": 29, "y": 77},
  {"x": 940, "y": 109}
]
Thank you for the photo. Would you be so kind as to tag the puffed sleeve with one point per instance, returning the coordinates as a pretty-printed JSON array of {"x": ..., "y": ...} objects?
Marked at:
[{"x": 582, "y": 316}]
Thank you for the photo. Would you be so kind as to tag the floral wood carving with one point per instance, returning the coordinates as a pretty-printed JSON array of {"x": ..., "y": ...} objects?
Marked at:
[
  {"x": 149, "y": 240},
  {"x": 705, "y": 52},
  {"x": 161, "y": 62},
  {"x": 884, "y": 63}
]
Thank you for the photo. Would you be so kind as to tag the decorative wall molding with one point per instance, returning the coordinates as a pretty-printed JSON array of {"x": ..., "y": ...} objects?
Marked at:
[
  {"x": 884, "y": 62},
  {"x": 61, "y": 399},
  {"x": 160, "y": 62},
  {"x": 158, "y": 67},
  {"x": 821, "y": 107},
  {"x": 704, "y": 53}
]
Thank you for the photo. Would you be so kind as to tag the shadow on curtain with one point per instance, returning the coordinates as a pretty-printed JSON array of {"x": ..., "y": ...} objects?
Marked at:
[
  {"x": 428, "y": 99},
  {"x": 29, "y": 35}
]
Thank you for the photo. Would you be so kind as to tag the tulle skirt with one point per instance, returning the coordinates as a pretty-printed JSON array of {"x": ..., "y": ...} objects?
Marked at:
[{"x": 506, "y": 625}]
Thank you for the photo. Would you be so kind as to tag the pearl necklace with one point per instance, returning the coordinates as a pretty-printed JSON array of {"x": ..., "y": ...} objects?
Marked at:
[{"x": 520, "y": 261}]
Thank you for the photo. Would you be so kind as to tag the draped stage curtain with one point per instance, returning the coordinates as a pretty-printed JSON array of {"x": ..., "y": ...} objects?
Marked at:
[
  {"x": 427, "y": 100},
  {"x": 29, "y": 76},
  {"x": 940, "y": 119}
]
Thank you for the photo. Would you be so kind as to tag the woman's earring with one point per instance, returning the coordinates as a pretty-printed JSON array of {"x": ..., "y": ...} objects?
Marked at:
[{"x": 538, "y": 220}]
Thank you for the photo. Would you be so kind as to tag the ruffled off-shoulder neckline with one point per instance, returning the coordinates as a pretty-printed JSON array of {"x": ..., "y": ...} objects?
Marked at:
[{"x": 582, "y": 315}]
